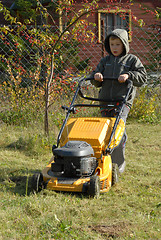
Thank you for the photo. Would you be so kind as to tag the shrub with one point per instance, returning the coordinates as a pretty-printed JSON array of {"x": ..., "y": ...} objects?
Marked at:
[
  {"x": 146, "y": 106},
  {"x": 20, "y": 105}
]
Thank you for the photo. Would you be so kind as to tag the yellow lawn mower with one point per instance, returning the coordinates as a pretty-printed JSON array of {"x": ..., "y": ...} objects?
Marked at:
[{"x": 81, "y": 159}]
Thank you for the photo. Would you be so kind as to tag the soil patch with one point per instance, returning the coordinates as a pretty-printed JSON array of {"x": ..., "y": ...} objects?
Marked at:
[{"x": 112, "y": 231}]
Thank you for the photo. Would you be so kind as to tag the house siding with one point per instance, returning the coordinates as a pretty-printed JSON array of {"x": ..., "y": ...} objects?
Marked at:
[{"x": 139, "y": 37}]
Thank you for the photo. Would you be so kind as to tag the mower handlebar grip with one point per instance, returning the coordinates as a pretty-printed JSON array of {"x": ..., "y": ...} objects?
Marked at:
[
  {"x": 128, "y": 81},
  {"x": 91, "y": 78}
]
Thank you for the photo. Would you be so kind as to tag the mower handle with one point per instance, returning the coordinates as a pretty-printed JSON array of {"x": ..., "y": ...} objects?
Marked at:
[
  {"x": 92, "y": 78},
  {"x": 112, "y": 79},
  {"x": 128, "y": 82}
]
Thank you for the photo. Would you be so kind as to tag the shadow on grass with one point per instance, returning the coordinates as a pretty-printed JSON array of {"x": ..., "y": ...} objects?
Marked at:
[
  {"x": 21, "y": 184},
  {"x": 13, "y": 182}
]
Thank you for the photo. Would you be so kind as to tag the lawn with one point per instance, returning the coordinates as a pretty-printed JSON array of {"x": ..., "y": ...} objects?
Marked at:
[{"x": 130, "y": 210}]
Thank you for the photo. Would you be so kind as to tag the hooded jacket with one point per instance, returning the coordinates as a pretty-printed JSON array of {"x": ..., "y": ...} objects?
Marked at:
[{"x": 112, "y": 67}]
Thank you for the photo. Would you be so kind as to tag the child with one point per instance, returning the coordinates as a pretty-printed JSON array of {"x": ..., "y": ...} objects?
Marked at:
[{"x": 121, "y": 65}]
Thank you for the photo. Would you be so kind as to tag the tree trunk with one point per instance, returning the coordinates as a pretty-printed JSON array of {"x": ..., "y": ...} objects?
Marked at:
[{"x": 46, "y": 120}]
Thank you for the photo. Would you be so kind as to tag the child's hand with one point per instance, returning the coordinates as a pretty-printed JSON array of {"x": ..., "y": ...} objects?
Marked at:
[
  {"x": 98, "y": 77},
  {"x": 122, "y": 78}
]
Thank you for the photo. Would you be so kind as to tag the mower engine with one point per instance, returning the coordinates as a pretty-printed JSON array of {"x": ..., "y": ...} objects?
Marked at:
[{"x": 75, "y": 159}]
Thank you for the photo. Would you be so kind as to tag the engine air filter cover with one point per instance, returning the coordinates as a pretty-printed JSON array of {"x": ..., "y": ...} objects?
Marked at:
[{"x": 74, "y": 149}]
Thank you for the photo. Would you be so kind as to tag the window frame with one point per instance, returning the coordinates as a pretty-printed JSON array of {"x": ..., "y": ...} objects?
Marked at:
[{"x": 113, "y": 11}]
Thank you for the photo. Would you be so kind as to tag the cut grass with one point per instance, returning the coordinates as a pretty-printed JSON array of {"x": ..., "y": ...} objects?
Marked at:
[{"x": 130, "y": 210}]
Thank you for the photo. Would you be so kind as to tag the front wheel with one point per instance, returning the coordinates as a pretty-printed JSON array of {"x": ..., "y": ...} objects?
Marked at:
[
  {"x": 94, "y": 187},
  {"x": 37, "y": 182}
]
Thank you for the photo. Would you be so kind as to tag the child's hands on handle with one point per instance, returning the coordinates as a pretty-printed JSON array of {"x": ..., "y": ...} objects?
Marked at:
[
  {"x": 98, "y": 77},
  {"x": 122, "y": 78}
]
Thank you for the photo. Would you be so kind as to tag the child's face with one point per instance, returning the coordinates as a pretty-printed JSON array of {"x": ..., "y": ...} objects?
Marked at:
[{"x": 116, "y": 46}]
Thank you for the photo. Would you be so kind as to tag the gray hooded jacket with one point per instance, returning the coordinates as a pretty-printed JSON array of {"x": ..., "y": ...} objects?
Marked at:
[{"x": 112, "y": 67}]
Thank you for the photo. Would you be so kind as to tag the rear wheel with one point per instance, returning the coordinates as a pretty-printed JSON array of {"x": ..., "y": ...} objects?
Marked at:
[
  {"x": 115, "y": 173},
  {"x": 94, "y": 187},
  {"x": 37, "y": 182}
]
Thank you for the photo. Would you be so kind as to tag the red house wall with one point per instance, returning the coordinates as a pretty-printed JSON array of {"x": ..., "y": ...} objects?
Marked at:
[{"x": 139, "y": 44}]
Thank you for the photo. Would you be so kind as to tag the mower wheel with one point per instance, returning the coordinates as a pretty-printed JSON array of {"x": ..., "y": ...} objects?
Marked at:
[
  {"x": 115, "y": 173},
  {"x": 37, "y": 183},
  {"x": 94, "y": 187}
]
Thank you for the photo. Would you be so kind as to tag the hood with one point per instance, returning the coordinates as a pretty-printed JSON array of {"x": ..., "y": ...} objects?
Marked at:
[{"x": 122, "y": 35}]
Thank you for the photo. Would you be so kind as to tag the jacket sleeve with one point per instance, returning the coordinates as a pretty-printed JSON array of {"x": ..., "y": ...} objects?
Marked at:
[
  {"x": 99, "y": 68},
  {"x": 137, "y": 73}
]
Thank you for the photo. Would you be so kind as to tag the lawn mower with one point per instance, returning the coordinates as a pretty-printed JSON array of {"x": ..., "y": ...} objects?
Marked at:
[{"x": 81, "y": 160}]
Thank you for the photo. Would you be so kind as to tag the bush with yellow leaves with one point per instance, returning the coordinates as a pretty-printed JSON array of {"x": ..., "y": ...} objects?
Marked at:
[{"x": 146, "y": 106}]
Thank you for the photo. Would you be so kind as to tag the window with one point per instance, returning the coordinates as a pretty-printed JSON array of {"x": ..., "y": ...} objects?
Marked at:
[{"x": 108, "y": 20}]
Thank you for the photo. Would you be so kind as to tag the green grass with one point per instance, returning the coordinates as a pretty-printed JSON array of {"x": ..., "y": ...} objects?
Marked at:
[{"x": 130, "y": 210}]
